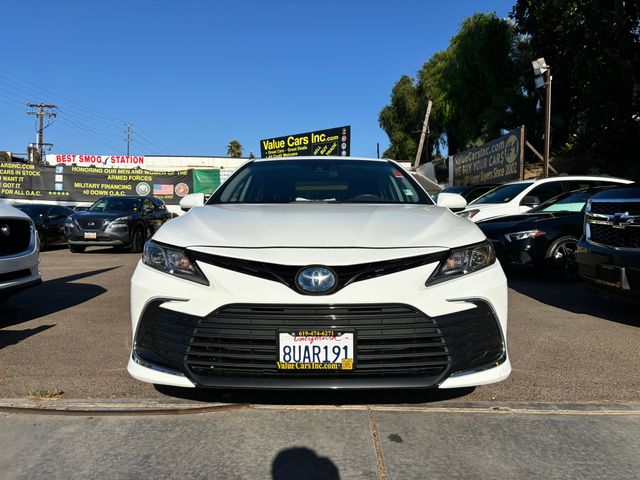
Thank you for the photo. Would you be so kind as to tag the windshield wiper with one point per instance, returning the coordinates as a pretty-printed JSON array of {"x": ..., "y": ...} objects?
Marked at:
[{"x": 319, "y": 200}]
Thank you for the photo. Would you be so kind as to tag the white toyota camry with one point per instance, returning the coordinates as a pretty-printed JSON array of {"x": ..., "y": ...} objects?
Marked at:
[{"x": 319, "y": 273}]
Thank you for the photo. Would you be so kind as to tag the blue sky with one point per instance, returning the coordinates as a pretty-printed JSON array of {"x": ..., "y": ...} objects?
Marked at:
[{"x": 192, "y": 75}]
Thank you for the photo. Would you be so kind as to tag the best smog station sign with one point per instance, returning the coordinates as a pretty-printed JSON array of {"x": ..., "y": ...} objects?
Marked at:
[
  {"x": 87, "y": 183},
  {"x": 497, "y": 161},
  {"x": 113, "y": 161},
  {"x": 334, "y": 142}
]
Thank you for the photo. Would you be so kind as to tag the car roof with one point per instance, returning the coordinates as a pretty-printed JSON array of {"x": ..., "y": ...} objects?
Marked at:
[
  {"x": 571, "y": 177},
  {"x": 260, "y": 160}
]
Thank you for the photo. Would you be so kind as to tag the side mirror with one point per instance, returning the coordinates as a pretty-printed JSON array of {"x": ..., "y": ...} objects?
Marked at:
[
  {"x": 452, "y": 201},
  {"x": 192, "y": 200},
  {"x": 530, "y": 201}
]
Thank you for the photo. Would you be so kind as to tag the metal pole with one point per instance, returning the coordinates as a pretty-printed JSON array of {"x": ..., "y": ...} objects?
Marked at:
[
  {"x": 128, "y": 137},
  {"x": 378, "y": 148},
  {"x": 425, "y": 129},
  {"x": 547, "y": 121}
]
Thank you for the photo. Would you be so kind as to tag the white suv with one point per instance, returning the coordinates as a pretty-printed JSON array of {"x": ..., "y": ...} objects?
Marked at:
[
  {"x": 519, "y": 197},
  {"x": 19, "y": 252}
]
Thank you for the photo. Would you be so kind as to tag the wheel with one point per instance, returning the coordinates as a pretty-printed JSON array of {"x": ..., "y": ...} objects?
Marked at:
[
  {"x": 76, "y": 249},
  {"x": 137, "y": 241},
  {"x": 43, "y": 240},
  {"x": 561, "y": 259}
]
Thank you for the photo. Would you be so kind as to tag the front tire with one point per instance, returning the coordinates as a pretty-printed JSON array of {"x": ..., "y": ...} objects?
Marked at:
[
  {"x": 137, "y": 241},
  {"x": 560, "y": 259},
  {"x": 76, "y": 249}
]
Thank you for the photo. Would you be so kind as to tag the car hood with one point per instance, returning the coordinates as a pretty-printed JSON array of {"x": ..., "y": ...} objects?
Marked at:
[
  {"x": 7, "y": 211},
  {"x": 319, "y": 225},
  {"x": 85, "y": 215}
]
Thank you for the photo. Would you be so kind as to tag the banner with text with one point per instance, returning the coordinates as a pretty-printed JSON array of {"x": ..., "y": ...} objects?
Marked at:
[
  {"x": 87, "y": 184},
  {"x": 497, "y": 161},
  {"x": 334, "y": 142},
  {"x": 107, "y": 161}
]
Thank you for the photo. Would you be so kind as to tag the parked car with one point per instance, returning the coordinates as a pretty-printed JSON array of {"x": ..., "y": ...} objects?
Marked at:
[
  {"x": 608, "y": 254},
  {"x": 19, "y": 252},
  {"x": 49, "y": 222},
  {"x": 471, "y": 192},
  {"x": 319, "y": 273},
  {"x": 545, "y": 237},
  {"x": 118, "y": 221},
  {"x": 519, "y": 197}
]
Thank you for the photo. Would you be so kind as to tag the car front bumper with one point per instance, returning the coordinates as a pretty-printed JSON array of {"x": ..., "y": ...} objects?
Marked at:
[
  {"x": 20, "y": 271},
  {"x": 104, "y": 238},
  {"x": 611, "y": 271},
  {"x": 460, "y": 314}
]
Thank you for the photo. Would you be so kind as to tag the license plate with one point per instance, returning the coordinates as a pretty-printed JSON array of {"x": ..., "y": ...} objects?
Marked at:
[
  {"x": 90, "y": 235},
  {"x": 316, "y": 350}
]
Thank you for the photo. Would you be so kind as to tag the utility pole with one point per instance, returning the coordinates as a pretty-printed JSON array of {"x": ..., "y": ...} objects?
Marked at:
[
  {"x": 378, "y": 149},
  {"x": 128, "y": 137},
  {"x": 425, "y": 130},
  {"x": 547, "y": 120},
  {"x": 43, "y": 109},
  {"x": 542, "y": 73}
]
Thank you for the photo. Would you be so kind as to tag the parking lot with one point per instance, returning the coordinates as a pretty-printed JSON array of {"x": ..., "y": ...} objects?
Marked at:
[{"x": 72, "y": 334}]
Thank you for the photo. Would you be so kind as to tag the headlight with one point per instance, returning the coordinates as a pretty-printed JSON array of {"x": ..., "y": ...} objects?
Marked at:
[
  {"x": 515, "y": 236},
  {"x": 468, "y": 213},
  {"x": 465, "y": 260},
  {"x": 173, "y": 261},
  {"x": 121, "y": 221},
  {"x": 69, "y": 222}
]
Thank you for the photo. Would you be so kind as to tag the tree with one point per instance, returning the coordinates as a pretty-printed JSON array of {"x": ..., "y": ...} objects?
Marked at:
[
  {"x": 475, "y": 85},
  {"x": 234, "y": 149},
  {"x": 593, "y": 47}
]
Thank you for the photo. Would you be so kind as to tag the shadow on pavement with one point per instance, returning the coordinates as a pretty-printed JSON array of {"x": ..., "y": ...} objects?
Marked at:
[
  {"x": 11, "y": 337},
  {"x": 575, "y": 297},
  {"x": 297, "y": 463},
  {"x": 314, "y": 397},
  {"x": 49, "y": 297}
]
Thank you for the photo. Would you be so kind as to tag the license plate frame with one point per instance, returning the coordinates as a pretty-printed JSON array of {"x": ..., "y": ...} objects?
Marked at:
[
  {"x": 321, "y": 338},
  {"x": 90, "y": 235}
]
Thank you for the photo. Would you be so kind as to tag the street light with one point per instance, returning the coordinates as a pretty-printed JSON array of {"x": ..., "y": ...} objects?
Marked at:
[{"x": 543, "y": 78}]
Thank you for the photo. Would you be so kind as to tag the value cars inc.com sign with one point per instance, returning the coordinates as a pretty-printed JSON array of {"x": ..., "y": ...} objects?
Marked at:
[{"x": 332, "y": 142}]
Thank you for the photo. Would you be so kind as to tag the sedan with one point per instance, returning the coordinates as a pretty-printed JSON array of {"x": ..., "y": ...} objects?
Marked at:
[
  {"x": 544, "y": 238},
  {"x": 319, "y": 273},
  {"x": 49, "y": 221}
]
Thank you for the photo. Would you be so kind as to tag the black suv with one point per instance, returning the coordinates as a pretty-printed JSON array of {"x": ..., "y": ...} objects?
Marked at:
[
  {"x": 125, "y": 222},
  {"x": 608, "y": 253},
  {"x": 49, "y": 221}
]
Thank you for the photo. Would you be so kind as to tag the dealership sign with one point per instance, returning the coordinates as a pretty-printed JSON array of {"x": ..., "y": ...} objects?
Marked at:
[
  {"x": 332, "y": 142},
  {"x": 118, "y": 161},
  {"x": 497, "y": 161},
  {"x": 73, "y": 183}
]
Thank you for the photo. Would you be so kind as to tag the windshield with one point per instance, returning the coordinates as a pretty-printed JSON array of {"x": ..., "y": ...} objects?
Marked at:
[
  {"x": 567, "y": 202},
  {"x": 115, "y": 204},
  {"x": 330, "y": 181},
  {"x": 502, "y": 194}
]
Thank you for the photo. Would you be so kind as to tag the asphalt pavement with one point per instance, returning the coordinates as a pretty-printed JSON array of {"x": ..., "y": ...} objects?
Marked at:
[
  {"x": 571, "y": 408},
  {"x": 73, "y": 334}
]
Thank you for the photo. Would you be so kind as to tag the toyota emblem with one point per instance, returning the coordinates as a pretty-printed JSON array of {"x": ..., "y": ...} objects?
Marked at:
[{"x": 316, "y": 280}]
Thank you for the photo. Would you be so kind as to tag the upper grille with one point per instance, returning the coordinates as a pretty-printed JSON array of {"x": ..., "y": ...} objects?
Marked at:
[
  {"x": 19, "y": 236},
  {"x": 347, "y": 274},
  {"x": 92, "y": 224},
  {"x": 392, "y": 340},
  {"x": 611, "y": 208},
  {"x": 628, "y": 237}
]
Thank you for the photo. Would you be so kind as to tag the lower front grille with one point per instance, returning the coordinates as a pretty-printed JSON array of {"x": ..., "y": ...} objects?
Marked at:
[
  {"x": 392, "y": 340},
  {"x": 15, "y": 236}
]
